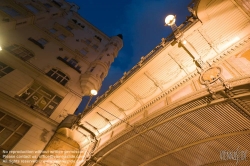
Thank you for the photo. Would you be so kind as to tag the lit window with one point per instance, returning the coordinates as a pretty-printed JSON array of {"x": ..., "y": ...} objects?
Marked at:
[
  {"x": 61, "y": 37},
  {"x": 20, "y": 52},
  {"x": 32, "y": 8},
  {"x": 53, "y": 30},
  {"x": 11, "y": 132},
  {"x": 42, "y": 98},
  {"x": 58, "y": 76},
  {"x": 73, "y": 62},
  {"x": 4, "y": 69},
  {"x": 42, "y": 41},
  {"x": 10, "y": 11}
]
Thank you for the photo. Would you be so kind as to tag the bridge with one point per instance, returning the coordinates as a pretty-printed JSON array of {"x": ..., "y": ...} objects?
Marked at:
[{"x": 185, "y": 103}]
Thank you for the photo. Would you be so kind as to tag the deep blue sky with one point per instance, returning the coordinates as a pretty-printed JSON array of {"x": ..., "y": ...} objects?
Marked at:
[{"x": 141, "y": 22}]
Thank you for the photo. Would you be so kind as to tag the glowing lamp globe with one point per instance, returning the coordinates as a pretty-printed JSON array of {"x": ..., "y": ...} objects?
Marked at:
[
  {"x": 93, "y": 92},
  {"x": 170, "y": 20}
]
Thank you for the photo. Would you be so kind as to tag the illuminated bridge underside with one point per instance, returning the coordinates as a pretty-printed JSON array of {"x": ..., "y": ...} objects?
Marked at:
[{"x": 190, "y": 134}]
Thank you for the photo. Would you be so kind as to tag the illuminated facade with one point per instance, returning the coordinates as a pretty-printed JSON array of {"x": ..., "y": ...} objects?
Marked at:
[
  {"x": 185, "y": 103},
  {"x": 51, "y": 57}
]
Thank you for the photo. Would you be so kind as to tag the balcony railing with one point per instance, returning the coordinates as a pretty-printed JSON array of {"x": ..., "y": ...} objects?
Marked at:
[{"x": 69, "y": 64}]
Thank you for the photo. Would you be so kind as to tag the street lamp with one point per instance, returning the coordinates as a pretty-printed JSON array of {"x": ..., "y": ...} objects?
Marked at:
[
  {"x": 93, "y": 92},
  {"x": 170, "y": 21}
]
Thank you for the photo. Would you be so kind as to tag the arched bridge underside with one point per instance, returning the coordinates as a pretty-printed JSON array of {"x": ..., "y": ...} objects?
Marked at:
[{"x": 199, "y": 130}]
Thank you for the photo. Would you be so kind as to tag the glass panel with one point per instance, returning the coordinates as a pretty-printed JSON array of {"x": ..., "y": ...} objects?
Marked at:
[
  {"x": 57, "y": 99},
  {"x": 1, "y": 114},
  {"x": 31, "y": 8},
  {"x": 43, "y": 102},
  {"x": 61, "y": 73},
  {"x": 10, "y": 122},
  {"x": 2, "y": 65},
  {"x": 59, "y": 79},
  {"x": 53, "y": 30},
  {"x": 49, "y": 73},
  {"x": 10, "y": 11},
  {"x": 34, "y": 98},
  {"x": 11, "y": 141},
  {"x": 64, "y": 82},
  {"x": 2, "y": 74},
  {"x": 42, "y": 41},
  {"x": 27, "y": 93},
  {"x": 47, "y": 5},
  {"x": 23, "y": 129},
  {"x": 7, "y": 70},
  {"x": 4, "y": 135},
  {"x": 46, "y": 93},
  {"x": 1, "y": 128},
  {"x": 61, "y": 36},
  {"x": 54, "y": 76},
  {"x": 49, "y": 109}
]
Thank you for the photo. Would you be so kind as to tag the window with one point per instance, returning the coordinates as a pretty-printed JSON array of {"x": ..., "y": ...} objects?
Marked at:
[
  {"x": 87, "y": 41},
  {"x": 73, "y": 62},
  {"x": 58, "y": 76},
  {"x": 11, "y": 131},
  {"x": 61, "y": 37},
  {"x": 68, "y": 28},
  {"x": 42, "y": 41},
  {"x": 20, "y": 52},
  {"x": 47, "y": 5},
  {"x": 41, "y": 98},
  {"x": 101, "y": 76},
  {"x": 83, "y": 51},
  {"x": 95, "y": 46},
  {"x": 53, "y": 30},
  {"x": 78, "y": 67},
  {"x": 31, "y": 8},
  {"x": 98, "y": 38},
  {"x": 10, "y": 11},
  {"x": 4, "y": 69}
]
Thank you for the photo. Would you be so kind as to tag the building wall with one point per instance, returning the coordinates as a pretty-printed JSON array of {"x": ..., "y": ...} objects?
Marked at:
[{"x": 47, "y": 48}]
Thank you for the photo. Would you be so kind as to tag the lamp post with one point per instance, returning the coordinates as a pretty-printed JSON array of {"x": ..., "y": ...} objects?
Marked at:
[
  {"x": 93, "y": 92},
  {"x": 170, "y": 21}
]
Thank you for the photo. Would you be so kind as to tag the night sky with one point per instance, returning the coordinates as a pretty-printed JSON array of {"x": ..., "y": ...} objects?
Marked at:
[{"x": 141, "y": 22}]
